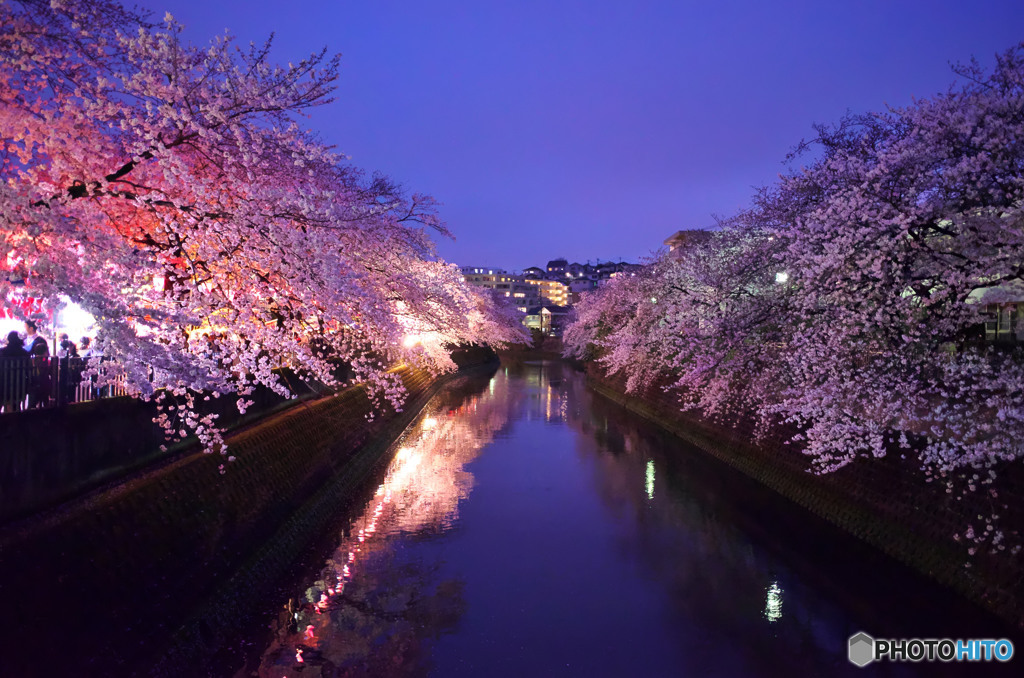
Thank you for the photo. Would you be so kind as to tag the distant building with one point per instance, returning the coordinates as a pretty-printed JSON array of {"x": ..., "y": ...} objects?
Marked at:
[
  {"x": 502, "y": 284},
  {"x": 578, "y": 287},
  {"x": 533, "y": 272},
  {"x": 555, "y": 291},
  {"x": 556, "y": 267},
  {"x": 549, "y": 319},
  {"x": 488, "y": 278},
  {"x": 524, "y": 295},
  {"x": 1002, "y": 309},
  {"x": 560, "y": 284},
  {"x": 687, "y": 238}
]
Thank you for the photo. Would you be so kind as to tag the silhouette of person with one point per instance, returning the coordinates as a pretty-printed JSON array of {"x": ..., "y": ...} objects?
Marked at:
[
  {"x": 40, "y": 379},
  {"x": 69, "y": 373},
  {"x": 14, "y": 373}
]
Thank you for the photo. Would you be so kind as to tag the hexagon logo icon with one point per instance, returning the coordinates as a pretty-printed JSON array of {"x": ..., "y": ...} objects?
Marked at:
[{"x": 861, "y": 649}]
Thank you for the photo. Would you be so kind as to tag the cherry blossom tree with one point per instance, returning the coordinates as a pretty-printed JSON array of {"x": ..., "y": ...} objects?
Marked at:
[
  {"x": 172, "y": 192},
  {"x": 844, "y": 300},
  {"x": 886, "y": 236},
  {"x": 705, "y": 317}
]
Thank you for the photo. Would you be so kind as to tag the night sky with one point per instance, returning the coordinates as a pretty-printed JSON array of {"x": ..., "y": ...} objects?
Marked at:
[{"x": 594, "y": 130}]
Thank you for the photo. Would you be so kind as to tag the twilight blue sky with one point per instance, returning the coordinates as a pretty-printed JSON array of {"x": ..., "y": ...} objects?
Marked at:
[{"x": 592, "y": 129}]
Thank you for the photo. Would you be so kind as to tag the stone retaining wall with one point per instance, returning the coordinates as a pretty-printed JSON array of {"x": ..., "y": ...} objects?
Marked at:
[
  {"x": 48, "y": 456},
  {"x": 156, "y": 543}
]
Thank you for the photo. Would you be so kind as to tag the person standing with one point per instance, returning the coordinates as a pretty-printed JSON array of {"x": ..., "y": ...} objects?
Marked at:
[
  {"x": 69, "y": 370},
  {"x": 86, "y": 351},
  {"x": 35, "y": 344},
  {"x": 14, "y": 371},
  {"x": 40, "y": 379},
  {"x": 67, "y": 347},
  {"x": 15, "y": 347}
]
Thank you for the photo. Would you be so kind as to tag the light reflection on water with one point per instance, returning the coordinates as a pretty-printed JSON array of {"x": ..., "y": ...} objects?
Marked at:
[
  {"x": 526, "y": 527},
  {"x": 347, "y": 611}
]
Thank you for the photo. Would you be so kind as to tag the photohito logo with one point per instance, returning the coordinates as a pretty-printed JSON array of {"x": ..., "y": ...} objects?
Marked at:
[{"x": 863, "y": 649}]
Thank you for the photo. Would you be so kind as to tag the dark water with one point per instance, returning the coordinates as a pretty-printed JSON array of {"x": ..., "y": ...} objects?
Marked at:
[{"x": 527, "y": 527}]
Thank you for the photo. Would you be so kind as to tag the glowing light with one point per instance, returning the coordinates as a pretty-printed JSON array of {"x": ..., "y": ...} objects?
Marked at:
[
  {"x": 74, "y": 320},
  {"x": 773, "y": 605},
  {"x": 649, "y": 479},
  {"x": 429, "y": 423},
  {"x": 411, "y": 340},
  {"x": 782, "y": 277}
]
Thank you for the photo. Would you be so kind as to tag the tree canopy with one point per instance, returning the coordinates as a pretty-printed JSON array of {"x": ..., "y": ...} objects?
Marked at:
[
  {"x": 845, "y": 301},
  {"x": 172, "y": 191}
]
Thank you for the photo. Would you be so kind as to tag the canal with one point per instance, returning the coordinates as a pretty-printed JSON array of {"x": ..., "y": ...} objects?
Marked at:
[{"x": 525, "y": 526}]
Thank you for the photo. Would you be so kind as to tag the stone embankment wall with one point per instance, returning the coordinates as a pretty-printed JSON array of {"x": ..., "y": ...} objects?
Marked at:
[
  {"x": 885, "y": 502},
  {"x": 51, "y": 455},
  {"x": 163, "y": 539}
]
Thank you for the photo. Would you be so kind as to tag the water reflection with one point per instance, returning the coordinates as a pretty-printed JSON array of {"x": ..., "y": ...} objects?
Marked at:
[
  {"x": 370, "y": 610},
  {"x": 526, "y": 526},
  {"x": 773, "y": 605},
  {"x": 730, "y": 555},
  {"x": 649, "y": 479}
]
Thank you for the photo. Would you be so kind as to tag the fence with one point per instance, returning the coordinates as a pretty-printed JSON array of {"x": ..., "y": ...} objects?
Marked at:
[
  {"x": 32, "y": 382},
  {"x": 35, "y": 382}
]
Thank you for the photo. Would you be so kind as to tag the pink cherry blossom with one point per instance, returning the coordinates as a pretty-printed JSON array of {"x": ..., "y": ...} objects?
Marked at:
[
  {"x": 171, "y": 191},
  {"x": 845, "y": 301}
]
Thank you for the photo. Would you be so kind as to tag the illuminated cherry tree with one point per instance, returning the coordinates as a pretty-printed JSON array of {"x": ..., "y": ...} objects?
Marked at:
[
  {"x": 171, "y": 191},
  {"x": 846, "y": 301},
  {"x": 889, "y": 236},
  {"x": 705, "y": 318}
]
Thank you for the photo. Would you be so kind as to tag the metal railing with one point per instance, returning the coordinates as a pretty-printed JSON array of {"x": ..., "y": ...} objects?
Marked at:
[{"x": 34, "y": 382}]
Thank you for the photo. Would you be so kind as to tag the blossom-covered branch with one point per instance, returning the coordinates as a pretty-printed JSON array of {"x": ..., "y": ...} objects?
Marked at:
[
  {"x": 170, "y": 190},
  {"x": 848, "y": 300}
]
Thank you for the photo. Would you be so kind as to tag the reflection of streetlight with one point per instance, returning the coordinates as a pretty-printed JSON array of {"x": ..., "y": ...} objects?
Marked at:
[
  {"x": 773, "y": 604},
  {"x": 649, "y": 479}
]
